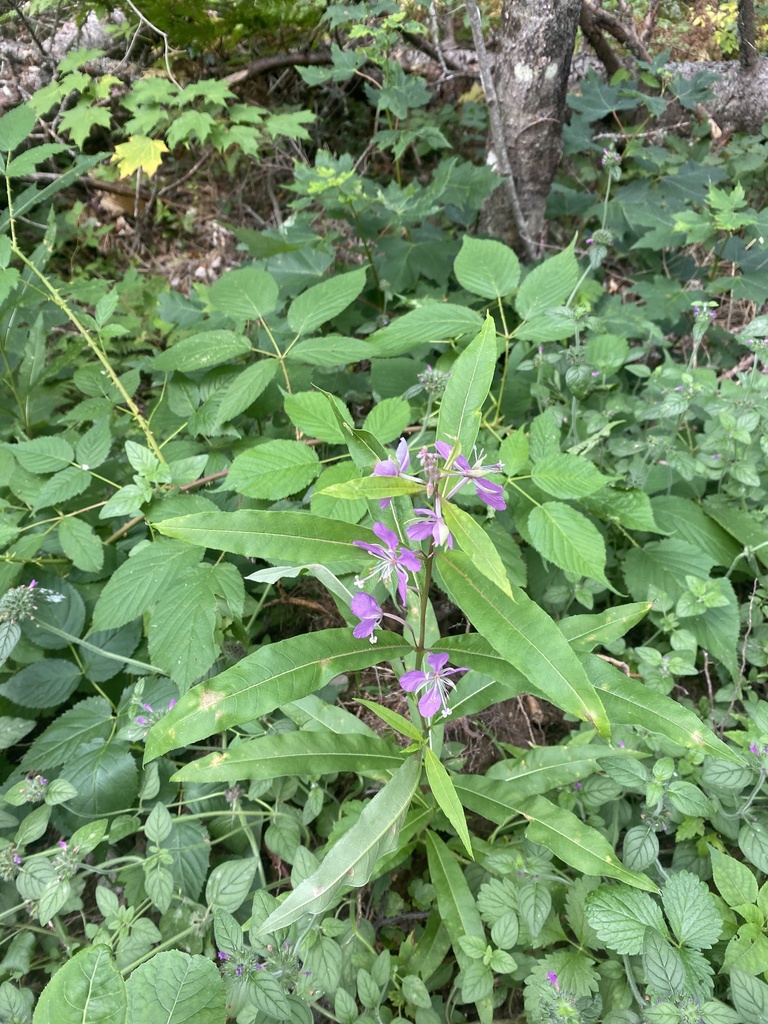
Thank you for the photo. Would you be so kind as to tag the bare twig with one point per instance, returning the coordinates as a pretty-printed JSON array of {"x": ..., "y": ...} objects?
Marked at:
[
  {"x": 276, "y": 61},
  {"x": 620, "y": 30},
  {"x": 746, "y": 24},
  {"x": 649, "y": 21},
  {"x": 163, "y": 36},
  {"x": 497, "y": 128}
]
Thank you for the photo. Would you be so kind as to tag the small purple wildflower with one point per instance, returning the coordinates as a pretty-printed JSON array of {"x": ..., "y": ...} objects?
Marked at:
[
  {"x": 222, "y": 956},
  {"x": 436, "y": 682},
  {"x": 62, "y": 844},
  {"x": 367, "y": 609},
  {"x": 142, "y": 720},
  {"x": 17, "y": 859},
  {"x": 552, "y": 979},
  {"x": 394, "y": 466},
  {"x": 171, "y": 704},
  {"x": 621, "y": 743},
  {"x": 392, "y": 560},
  {"x": 33, "y": 584},
  {"x": 239, "y": 970},
  {"x": 431, "y": 525},
  {"x": 487, "y": 491},
  {"x": 578, "y": 785},
  {"x": 754, "y": 749},
  {"x": 147, "y": 707}
]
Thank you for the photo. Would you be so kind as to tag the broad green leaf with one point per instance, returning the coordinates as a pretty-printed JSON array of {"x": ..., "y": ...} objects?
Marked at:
[
  {"x": 621, "y": 915},
  {"x": 353, "y": 858},
  {"x": 79, "y": 120},
  {"x": 684, "y": 520},
  {"x": 662, "y": 966},
  {"x": 691, "y": 910},
  {"x": 274, "y": 536},
  {"x": 487, "y": 268},
  {"x": 458, "y": 909},
  {"x": 525, "y": 636},
  {"x": 295, "y": 753},
  {"x": 584, "y": 632},
  {"x": 628, "y": 508},
  {"x": 90, "y": 719},
  {"x": 105, "y": 777},
  {"x": 311, "y": 412},
  {"x": 475, "y": 542},
  {"x": 43, "y": 684},
  {"x": 662, "y": 566},
  {"x": 567, "y": 476},
  {"x": 229, "y": 884},
  {"x": 43, "y": 454},
  {"x": 190, "y": 848},
  {"x": 87, "y": 989},
  {"x": 467, "y": 390},
  {"x": 569, "y": 540},
  {"x": 388, "y": 419},
  {"x": 59, "y": 605},
  {"x": 433, "y": 322},
  {"x": 246, "y": 292},
  {"x": 374, "y": 488},
  {"x": 578, "y": 845},
  {"x": 201, "y": 351},
  {"x": 351, "y": 510},
  {"x": 66, "y": 484},
  {"x": 139, "y": 153},
  {"x": 176, "y": 988},
  {"x": 26, "y": 162},
  {"x": 750, "y": 997},
  {"x": 182, "y": 625},
  {"x": 245, "y": 389},
  {"x": 274, "y": 675},
  {"x": 628, "y": 702},
  {"x": 15, "y": 126},
  {"x": 331, "y": 350},
  {"x": 324, "y": 301},
  {"x": 735, "y": 882},
  {"x": 742, "y": 525},
  {"x": 444, "y": 791},
  {"x": 14, "y": 729},
  {"x": 544, "y": 768},
  {"x": 549, "y": 284},
  {"x": 81, "y": 545},
  {"x": 274, "y": 470}
]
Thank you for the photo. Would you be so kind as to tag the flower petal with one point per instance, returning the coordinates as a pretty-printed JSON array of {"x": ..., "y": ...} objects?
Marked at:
[
  {"x": 384, "y": 533},
  {"x": 438, "y": 660},
  {"x": 430, "y": 703},
  {"x": 413, "y": 680}
]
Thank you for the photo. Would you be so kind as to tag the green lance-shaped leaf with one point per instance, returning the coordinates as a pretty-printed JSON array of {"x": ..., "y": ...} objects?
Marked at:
[
  {"x": 352, "y": 860},
  {"x": 444, "y": 792},
  {"x": 374, "y": 488},
  {"x": 458, "y": 909},
  {"x": 630, "y": 703},
  {"x": 475, "y": 542},
  {"x": 176, "y": 988},
  {"x": 577, "y": 844},
  {"x": 88, "y": 989},
  {"x": 200, "y": 351},
  {"x": 295, "y": 537},
  {"x": 324, "y": 301},
  {"x": 267, "y": 679},
  {"x": 584, "y": 632},
  {"x": 526, "y": 636},
  {"x": 467, "y": 389},
  {"x": 295, "y": 753}
]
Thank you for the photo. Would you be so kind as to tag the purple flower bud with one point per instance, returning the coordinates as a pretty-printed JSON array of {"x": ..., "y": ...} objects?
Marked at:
[
  {"x": 239, "y": 970},
  {"x": 16, "y": 859},
  {"x": 141, "y": 720},
  {"x": 754, "y": 749},
  {"x": 222, "y": 956},
  {"x": 147, "y": 707},
  {"x": 552, "y": 979},
  {"x": 171, "y": 704},
  {"x": 578, "y": 785}
]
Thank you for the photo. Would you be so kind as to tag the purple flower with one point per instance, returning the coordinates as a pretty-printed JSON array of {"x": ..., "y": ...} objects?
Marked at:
[
  {"x": 17, "y": 859},
  {"x": 394, "y": 466},
  {"x": 392, "y": 559},
  {"x": 239, "y": 970},
  {"x": 436, "y": 683},
  {"x": 367, "y": 609},
  {"x": 222, "y": 956},
  {"x": 431, "y": 525},
  {"x": 171, "y": 704},
  {"x": 32, "y": 584},
  {"x": 552, "y": 979},
  {"x": 754, "y": 749},
  {"x": 141, "y": 720},
  {"x": 486, "y": 490}
]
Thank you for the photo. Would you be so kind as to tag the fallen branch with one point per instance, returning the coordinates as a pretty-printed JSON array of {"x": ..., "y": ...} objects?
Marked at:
[{"x": 278, "y": 60}]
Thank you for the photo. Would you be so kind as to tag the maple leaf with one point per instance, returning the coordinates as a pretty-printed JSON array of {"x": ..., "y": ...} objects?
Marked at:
[{"x": 139, "y": 153}]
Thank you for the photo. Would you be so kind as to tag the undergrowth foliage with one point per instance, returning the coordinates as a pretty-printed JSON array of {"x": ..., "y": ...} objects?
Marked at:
[{"x": 479, "y": 481}]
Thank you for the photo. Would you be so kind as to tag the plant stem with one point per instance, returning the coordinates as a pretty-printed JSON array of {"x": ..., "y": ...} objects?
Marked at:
[{"x": 98, "y": 650}]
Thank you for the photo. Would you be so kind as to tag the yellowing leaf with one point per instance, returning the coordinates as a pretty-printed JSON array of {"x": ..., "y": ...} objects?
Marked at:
[{"x": 139, "y": 153}]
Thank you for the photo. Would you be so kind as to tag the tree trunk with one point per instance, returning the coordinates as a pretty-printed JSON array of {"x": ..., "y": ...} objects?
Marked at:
[{"x": 533, "y": 64}]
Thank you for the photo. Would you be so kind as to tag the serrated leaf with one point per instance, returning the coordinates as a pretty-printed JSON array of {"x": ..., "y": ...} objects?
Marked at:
[
  {"x": 691, "y": 910},
  {"x": 662, "y": 966},
  {"x": 735, "y": 882},
  {"x": 201, "y": 351},
  {"x": 79, "y": 120},
  {"x": 276, "y": 674},
  {"x": 295, "y": 753},
  {"x": 567, "y": 476},
  {"x": 274, "y": 470},
  {"x": 90, "y": 719},
  {"x": 43, "y": 684},
  {"x": 467, "y": 390},
  {"x": 486, "y": 267},
  {"x": 14, "y": 729},
  {"x": 311, "y": 412},
  {"x": 246, "y": 292},
  {"x": 190, "y": 849},
  {"x": 87, "y": 989},
  {"x": 245, "y": 389},
  {"x": 43, "y": 454},
  {"x": 429, "y": 323},
  {"x": 229, "y": 883},
  {"x": 176, "y": 988},
  {"x": 621, "y": 916},
  {"x": 324, "y": 301},
  {"x": 105, "y": 777},
  {"x": 750, "y": 997},
  {"x": 331, "y": 350},
  {"x": 139, "y": 153},
  {"x": 80, "y": 544},
  {"x": 569, "y": 540},
  {"x": 548, "y": 285},
  {"x": 15, "y": 126},
  {"x": 353, "y": 858},
  {"x": 388, "y": 419},
  {"x": 182, "y": 626},
  {"x": 525, "y": 636}
]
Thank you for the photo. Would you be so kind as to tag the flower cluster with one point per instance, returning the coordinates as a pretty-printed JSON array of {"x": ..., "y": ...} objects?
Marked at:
[
  {"x": 281, "y": 962},
  {"x": 18, "y": 603},
  {"x": 10, "y": 862}
]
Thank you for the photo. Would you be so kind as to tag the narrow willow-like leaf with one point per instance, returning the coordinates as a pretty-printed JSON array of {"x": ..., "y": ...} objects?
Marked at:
[
  {"x": 374, "y": 487},
  {"x": 295, "y": 753},
  {"x": 458, "y": 909},
  {"x": 475, "y": 542},
  {"x": 544, "y": 768},
  {"x": 525, "y": 636},
  {"x": 394, "y": 720},
  {"x": 630, "y": 703},
  {"x": 351, "y": 861},
  {"x": 577, "y": 844},
  {"x": 444, "y": 791},
  {"x": 467, "y": 389},
  {"x": 274, "y": 675},
  {"x": 583, "y": 632},
  {"x": 296, "y": 537}
]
